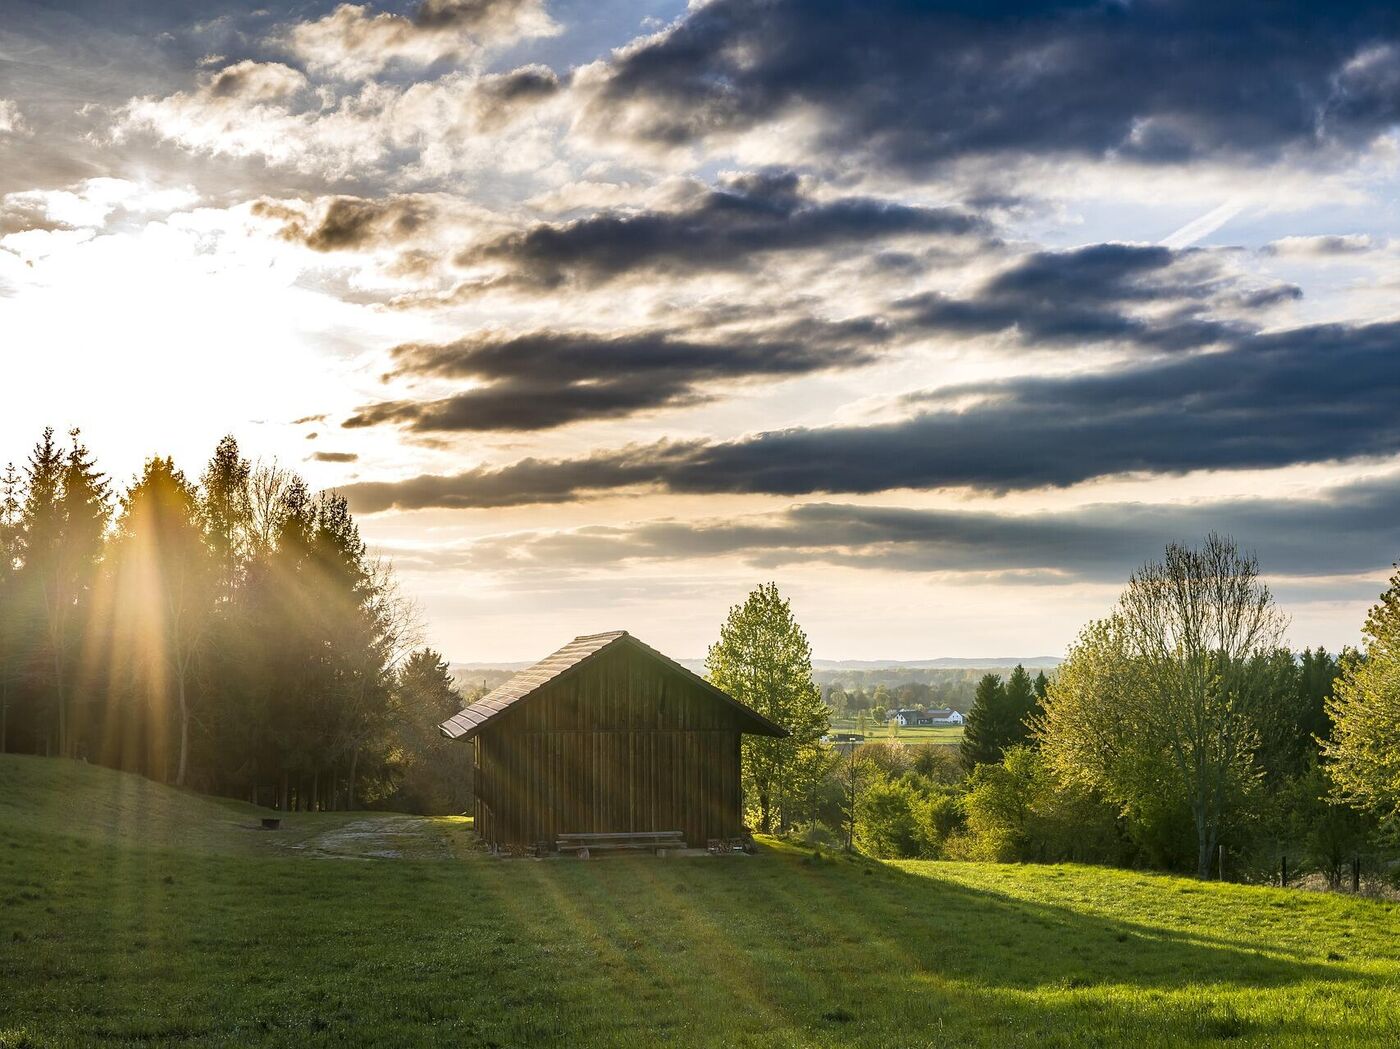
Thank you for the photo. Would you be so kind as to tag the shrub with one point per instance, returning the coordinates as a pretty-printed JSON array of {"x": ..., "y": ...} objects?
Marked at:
[
  {"x": 886, "y": 824},
  {"x": 817, "y": 835},
  {"x": 1019, "y": 810}
]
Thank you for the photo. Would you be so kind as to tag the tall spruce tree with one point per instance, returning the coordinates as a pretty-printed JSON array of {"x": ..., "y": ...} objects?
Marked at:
[
  {"x": 38, "y": 601},
  {"x": 1042, "y": 689},
  {"x": 226, "y": 510},
  {"x": 762, "y": 659},
  {"x": 164, "y": 582},
  {"x": 1020, "y": 707},
  {"x": 432, "y": 770},
  {"x": 989, "y": 724},
  {"x": 10, "y": 605},
  {"x": 86, "y": 507}
]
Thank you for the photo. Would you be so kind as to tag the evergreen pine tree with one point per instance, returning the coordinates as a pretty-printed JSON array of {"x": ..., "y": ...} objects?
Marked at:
[
  {"x": 10, "y": 537},
  {"x": 37, "y": 601},
  {"x": 988, "y": 724},
  {"x": 1020, "y": 708},
  {"x": 164, "y": 593}
]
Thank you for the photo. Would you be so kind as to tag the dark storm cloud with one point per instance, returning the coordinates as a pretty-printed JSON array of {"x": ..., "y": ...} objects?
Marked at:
[
  {"x": 1102, "y": 542},
  {"x": 1312, "y": 394},
  {"x": 1085, "y": 295},
  {"x": 548, "y": 379},
  {"x": 916, "y": 83},
  {"x": 480, "y": 15},
  {"x": 726, "y": 228},
  {"x": 523, "y": 483}
]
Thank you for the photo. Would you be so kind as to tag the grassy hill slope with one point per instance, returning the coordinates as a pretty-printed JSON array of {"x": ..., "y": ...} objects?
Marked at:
[{"x": 132, "y": 914}]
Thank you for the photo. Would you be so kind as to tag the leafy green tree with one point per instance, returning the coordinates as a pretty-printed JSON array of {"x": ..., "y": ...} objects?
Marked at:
[
  {"x": 1329, "y": 831},
  {"x": 990, "y": 724},
  {"x": 1363, "y": 753},
  {"x": 762, "y": 659},
  {"x": 1021, "y": 810},
  {"x": 1157, "y": 704},
  {"x": 887, "y": 824}
]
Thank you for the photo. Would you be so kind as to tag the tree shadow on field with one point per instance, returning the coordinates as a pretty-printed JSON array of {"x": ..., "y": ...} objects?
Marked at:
[{"x": 898, "y": 958}]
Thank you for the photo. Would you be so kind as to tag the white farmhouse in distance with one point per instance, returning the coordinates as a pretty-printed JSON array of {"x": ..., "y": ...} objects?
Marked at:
[{"x": 939, "y": 717}]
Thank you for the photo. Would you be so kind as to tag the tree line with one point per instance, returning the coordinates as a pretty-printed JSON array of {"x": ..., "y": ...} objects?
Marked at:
[
  {"x": 1179, "y": 733},
  {"x": 229, "y": 633}
]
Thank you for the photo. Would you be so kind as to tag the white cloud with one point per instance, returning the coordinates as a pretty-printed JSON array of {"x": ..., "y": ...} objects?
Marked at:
[
  {"x": 353, "y": 43},
  {"x": 424, "y": 131},
  {"x": 11, "y": 122},
  {"x": 92, "y": 202}
]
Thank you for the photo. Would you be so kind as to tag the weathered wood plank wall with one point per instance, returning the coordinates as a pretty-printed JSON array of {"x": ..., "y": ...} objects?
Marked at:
[{"x": 620, "y": 744}]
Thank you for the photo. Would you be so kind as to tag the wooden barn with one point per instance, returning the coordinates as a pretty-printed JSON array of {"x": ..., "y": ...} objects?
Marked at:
[{"x": 606, "y": 737}]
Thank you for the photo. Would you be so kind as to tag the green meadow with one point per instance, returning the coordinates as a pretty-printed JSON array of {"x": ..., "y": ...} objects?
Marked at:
[
  {"x": 880, "y": 733},
  {"x": 132, "y": 914}
]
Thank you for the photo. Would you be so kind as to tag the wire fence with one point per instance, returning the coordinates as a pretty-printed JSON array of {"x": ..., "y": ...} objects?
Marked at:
[{"x": 1371, "y": 872}]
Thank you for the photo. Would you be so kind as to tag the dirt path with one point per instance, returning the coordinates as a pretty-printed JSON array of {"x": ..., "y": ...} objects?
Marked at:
[{"x": 373, "y": 836}]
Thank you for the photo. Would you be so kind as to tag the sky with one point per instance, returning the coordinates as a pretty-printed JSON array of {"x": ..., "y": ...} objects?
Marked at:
[{"x": 943, "y": 315}]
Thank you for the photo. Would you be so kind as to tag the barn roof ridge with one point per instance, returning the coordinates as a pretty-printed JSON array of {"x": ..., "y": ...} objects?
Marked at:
[{"x": 564, "y": 660}]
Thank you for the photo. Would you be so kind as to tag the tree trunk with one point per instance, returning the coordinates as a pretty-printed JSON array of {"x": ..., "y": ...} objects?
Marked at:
[
  {"x": 350, "y": 787},
  {"x": 282, "y": 794},
  {"x": 184, "y": 729},
  {"x": 316, "y": 791},
  {"x": 1205, "y": 846},
  {"x": 61, "y": 697}
]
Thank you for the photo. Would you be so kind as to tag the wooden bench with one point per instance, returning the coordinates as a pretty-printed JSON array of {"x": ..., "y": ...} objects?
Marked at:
[{"x": 653, "y": 840}]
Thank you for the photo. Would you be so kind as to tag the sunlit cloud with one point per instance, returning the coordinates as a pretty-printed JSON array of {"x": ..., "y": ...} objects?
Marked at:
[
  {"x": 354, "y": 41},
  {"x": 881, "y": 299}
]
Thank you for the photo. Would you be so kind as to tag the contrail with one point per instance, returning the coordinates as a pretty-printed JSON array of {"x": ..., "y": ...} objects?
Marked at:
[{"x": 1203, "y": 226}]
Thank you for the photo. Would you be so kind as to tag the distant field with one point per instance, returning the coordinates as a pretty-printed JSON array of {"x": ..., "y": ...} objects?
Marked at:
[
  {"x": 881, "y": 733},
  {"x": 131, "y": 914}
]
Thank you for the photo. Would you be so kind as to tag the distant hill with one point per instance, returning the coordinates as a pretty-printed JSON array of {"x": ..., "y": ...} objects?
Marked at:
[
  {"x": 941, "y": 663},
  {"x": 946, "y": 681},
  {"x": 466, "y": 670}
]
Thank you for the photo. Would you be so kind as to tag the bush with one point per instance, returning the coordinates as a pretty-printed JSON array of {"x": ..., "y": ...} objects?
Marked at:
[
  {"x": 937, "y": 764},
  {"x": 1019, "y": 810},
  {"x": 886, "y": 822},
  {"x": 817, "y": 835}
]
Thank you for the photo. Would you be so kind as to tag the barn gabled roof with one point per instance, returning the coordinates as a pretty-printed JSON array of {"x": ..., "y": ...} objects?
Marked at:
[{"x": 468, "y": 722}]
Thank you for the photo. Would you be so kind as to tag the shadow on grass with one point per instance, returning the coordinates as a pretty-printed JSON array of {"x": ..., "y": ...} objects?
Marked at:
[
  {"x": 156, "y": 947},
  {"x": 828, "y": 946}
]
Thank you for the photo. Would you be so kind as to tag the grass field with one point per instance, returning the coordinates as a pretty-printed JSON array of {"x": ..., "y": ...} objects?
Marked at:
[
  {"x": 131, "y": 914},
  {"x": 877, "y": 733}
]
